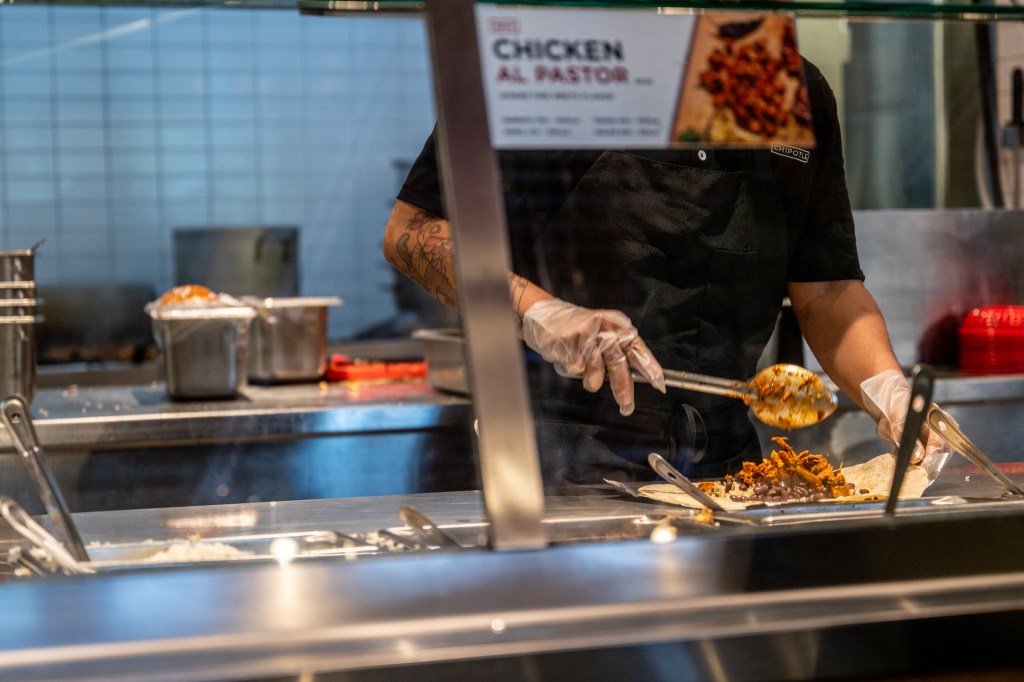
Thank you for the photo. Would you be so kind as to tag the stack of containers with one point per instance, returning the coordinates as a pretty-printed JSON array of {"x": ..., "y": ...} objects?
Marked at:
[
  {"x": 18, "y": 321},
  {"x": 992, "y": 340}
]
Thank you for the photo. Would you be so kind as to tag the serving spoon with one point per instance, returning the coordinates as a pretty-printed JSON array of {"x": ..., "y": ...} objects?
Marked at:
[{"x": 786, "y": 396}]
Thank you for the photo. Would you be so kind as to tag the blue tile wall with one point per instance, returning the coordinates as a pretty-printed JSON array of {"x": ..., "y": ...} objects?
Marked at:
[{"x": 120, "y": 124}]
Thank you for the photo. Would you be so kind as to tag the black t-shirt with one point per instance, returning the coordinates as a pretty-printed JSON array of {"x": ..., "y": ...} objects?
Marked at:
[
  {"x": 811, "y": 186},
  {"x": 695, "y": 246}
]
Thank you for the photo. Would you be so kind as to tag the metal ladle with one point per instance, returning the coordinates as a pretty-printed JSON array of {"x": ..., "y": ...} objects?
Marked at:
[{"x": 785, "y": 396}]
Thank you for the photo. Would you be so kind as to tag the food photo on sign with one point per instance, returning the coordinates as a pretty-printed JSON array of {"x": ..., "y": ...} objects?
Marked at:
[{"x": 744, "y": 84}]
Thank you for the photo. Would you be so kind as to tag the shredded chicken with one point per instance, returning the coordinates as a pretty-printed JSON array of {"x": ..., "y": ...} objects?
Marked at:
[{"x": 783, "y": 475}]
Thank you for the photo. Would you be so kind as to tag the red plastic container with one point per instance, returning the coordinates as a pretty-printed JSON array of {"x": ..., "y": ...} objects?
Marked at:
[{"x": 992, "y": 340}]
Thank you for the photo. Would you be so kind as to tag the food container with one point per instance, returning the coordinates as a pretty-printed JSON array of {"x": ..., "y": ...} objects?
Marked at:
[
  {"x": 18, "y": 265},
  {"x": 18, "y": 357},
  {"x": 17, "y": 290},
  {"x": 17, "y": 307},
  {"x": 992, "y": 340},
  {"x": 289, "y": 338},
  {"x": 445, "y": 353},
  {"x": 203, "y": 350}
]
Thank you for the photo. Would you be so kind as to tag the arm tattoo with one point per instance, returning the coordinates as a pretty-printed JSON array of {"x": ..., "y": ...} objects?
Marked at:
[
  {"x": 517, "y": 287},
  {"x": 425, "y": 256}
]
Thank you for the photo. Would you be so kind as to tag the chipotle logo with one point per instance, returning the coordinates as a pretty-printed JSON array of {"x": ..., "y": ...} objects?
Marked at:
[{"x": 795, "y": 153}]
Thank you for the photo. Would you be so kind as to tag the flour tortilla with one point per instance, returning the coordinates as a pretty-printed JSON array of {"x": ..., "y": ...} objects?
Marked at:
[{"x": 875, "y": 476}]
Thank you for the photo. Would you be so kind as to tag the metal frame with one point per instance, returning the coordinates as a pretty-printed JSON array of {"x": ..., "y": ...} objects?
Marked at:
[{"x": 509, "y": 466}]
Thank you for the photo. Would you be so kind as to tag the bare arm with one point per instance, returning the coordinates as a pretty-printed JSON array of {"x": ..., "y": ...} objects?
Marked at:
[
  {"x": 845, "y": 330},
  {"x": 419, "y": 245}
]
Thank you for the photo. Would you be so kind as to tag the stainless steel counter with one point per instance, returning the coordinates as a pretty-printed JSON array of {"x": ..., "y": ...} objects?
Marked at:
[
  {"x": 129, "y": 446},
  {"x": 138, "y": 416},
  {"x": 942, "y": 592}
]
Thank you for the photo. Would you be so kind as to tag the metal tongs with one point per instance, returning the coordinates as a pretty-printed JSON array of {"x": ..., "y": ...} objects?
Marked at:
[
  {"x": 922, "y": 410},
  {"x": 783, "y": 395},
  {"x": 425, "y": 528},
  {"x": 951, "y": 433},
  {"x": 19, "y": 425},
  {"x": 25, "y": 526},
  {"x": 676, "y": 478},
  {"x": 921, "y": 385}
]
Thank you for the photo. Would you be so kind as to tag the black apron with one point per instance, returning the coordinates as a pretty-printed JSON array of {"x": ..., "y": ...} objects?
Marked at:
[{"x": 697, "y": 259}]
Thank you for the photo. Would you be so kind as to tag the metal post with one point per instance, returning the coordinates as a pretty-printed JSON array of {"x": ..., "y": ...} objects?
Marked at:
[{"x": 513, "y": 493}]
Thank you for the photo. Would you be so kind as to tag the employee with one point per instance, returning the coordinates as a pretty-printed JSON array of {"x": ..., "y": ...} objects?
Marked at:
[{"x": 633, "y": 259}]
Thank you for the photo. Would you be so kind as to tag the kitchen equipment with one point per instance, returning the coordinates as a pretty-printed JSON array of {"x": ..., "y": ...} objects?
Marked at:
[
  {"x": 1013, "y": 133},
  {"x": 17, "y": 289},
  {"x": 18, "y": 265},
  {"x": 17, "y": 307},
  {"x": 95, "y": 322},
  {"x": 18, "y": 356},
  {"x": 444, "y": 351},
  {"x": 31, "y": 560},
  {"x": 921, "y": 385},
  {"x": 676, "y": 478},
  {"x": 342, "y": 368},
  {"x": 14, "y": 415},
  {"x": 992, "y": 340},
  {"x": 18, "y": 320},
  {"x": 951, "y": 433},
  {"x": 288, "y": 341},
  {"x": 256, "y": 261},
  {"x": 783, "y": 395},
  {"x": 25, "y": 526},
  {"x": 627, "y": 488},
  {"x": 204, "y": 351},
  {"x": 426, "y": 528}
]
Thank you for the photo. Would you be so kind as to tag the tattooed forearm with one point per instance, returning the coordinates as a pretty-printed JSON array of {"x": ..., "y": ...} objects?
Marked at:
[
  {"x": 516, "y": 288},
  {"x": 423, "y": 252},
  {"x": 419, "y": 245}
]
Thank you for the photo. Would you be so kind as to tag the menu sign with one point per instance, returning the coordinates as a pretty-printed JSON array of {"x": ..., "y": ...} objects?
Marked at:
[{"x": 625, "y": 78}]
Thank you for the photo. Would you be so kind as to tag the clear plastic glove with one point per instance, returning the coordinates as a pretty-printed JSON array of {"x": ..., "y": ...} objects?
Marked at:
[
  {"x": 887, "y": 398},
  {"x": 592, "y": 343}
]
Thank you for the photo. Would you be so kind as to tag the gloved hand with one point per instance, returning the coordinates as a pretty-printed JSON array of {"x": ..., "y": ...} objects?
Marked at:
[
  {"x": 591, "y": 343},
  {"x": 887, "y": 399}
]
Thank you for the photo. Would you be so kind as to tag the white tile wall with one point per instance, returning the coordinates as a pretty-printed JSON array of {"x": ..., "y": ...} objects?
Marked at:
[{"x": 119, "y": 124}]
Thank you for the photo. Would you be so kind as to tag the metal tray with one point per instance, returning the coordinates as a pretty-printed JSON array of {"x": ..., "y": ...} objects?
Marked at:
[
  {"x": 445, "y": 353},
  {"x": 205, "y": 356},
  {"x": 288, "y": 341},
  {"x": 298, "y": 546}
]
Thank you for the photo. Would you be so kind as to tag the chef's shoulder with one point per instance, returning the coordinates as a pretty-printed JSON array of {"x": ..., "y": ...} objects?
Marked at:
[
  {"x": 821, "y": 99},
  {"x": 422, "y": 185}
]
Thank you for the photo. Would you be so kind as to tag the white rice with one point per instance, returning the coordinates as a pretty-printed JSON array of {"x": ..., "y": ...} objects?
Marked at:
[{"x": 186, "y": 551}]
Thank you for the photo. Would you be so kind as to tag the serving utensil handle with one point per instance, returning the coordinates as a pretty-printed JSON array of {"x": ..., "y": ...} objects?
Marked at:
[
  {"x": 15, "y": 417},
  {"x": 676, "y": 478},
  {"x": 921, "y": 386},
  {"x": 704, "y": 384}
]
